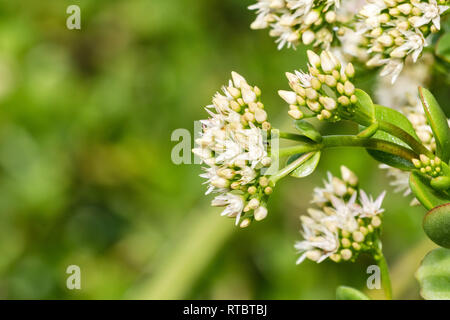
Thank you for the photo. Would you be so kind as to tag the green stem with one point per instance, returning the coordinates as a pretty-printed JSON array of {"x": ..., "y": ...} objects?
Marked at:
[
  {"x": 385, "y": 278},
  {"x": 290, "y": 167},
  {"x": 404, "y": 136},
  {"x": 350, "y": 141},
  {"x": 293, "y": 136}
]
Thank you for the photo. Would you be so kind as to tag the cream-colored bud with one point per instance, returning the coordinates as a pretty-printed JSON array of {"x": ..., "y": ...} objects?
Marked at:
[
  {"x": 315, "y": 84},
  {"x": 358, "y": 236},
  {"x": 398, "y": 53},
  {"x": 330, "y": 81},
  {"x": 308, "y": 37},
  {"x": 234, "y": 92},
  {"x": 349, "y": 176},
  {"x": 346, "y": 254},
  {"x": 313, "y": 255},
  {"x": 326, "y": 62},
  {"x": 394, "y": 12},
  {"x": 405, "y": 8},
  {"x": 340, "y": 88},
  {"x": 289, "y": 96},
  {"x": 260, "y": 115},
  {"x": 350, "y": 70},
  {"x": 326, "y": 114},
  {"x": 311, "y": 17},
  {"x": 330, "y": 16},
  {"x": 311, "y": 94},
  {"x": 384, "y": 18},
  {"x": 424, "y": 159},
  {"x": 313, "y": 58},
  {"x": 296, "y": 114},
  {"x": 339, "y": 186},
  {"x": 291, "y": 77},
  {"x": 248, "y": 95},
  {"x": 385, "y": 40},
  {"x": 328, "y": 103},
  {"x": 260, "y": 213},
  {"x": 336, "y": 257},
  {"x": 238, "y": 80},
  {"x": 349, "y": 88},
  {"x": 314, "y": 105},
  {"x": 219, "y": 182},
  {"x": 376, "y": 222},
  {"x": 253, "y": 204},
  {"x": 356, "y": 246},
  {"x": 245, "y": 223}
]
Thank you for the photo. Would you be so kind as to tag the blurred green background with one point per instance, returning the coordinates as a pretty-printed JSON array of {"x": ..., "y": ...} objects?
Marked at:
[{"x": 86, "y": 176}]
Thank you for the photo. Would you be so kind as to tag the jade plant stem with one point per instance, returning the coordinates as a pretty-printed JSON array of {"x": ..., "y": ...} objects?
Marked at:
[
  {"x": 385, "y": 278},
  {"x": 348, "y": 141}
]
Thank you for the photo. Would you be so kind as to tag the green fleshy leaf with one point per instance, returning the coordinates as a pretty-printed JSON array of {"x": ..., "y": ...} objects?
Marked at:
[
  {"x": 443, "y": 47},
  {"x": 436, "y": 224},
  {"x": 307, "y": 129},
  {"x": 427, "y": 196},
  {"x": 348, "y": 293},
  {"x": 438, "y": 123},
  {"x": 308, "y": 167},
  {"x": 397, "y": 118},
  {"x": 434, "y": 275},
  {"x": 391, "y": 160},
  {"x": 365, "y": 106}
]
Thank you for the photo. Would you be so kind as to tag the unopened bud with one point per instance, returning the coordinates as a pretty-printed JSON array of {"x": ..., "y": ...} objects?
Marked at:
[{"x": 260, "y": 213}]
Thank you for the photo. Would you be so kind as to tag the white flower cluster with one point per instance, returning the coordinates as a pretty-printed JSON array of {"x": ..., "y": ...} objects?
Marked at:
[
  {"x": 233, "y": 143},
  {"x": 325, "y": 92},
  {"x": 345, "y": 222},
  {"x": 396, "y": 29},
  {"x": 313, "y": 21}
]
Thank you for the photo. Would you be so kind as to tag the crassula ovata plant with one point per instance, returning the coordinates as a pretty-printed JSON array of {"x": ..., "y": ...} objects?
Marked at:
[{"x": 404, "y": 129}]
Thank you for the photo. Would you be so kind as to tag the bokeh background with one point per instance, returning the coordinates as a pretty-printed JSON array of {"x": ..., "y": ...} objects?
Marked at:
[{"x": 86, "y": 176}]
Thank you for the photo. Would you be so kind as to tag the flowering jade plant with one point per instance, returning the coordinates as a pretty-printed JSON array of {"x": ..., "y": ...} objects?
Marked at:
[{"x": 243, "y": 152}]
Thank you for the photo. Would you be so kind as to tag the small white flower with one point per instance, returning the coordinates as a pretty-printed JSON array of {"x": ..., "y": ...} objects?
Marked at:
[
  {"x": 431, "y": 12},
  {"x": 400, "y": 179},
  {"x": 371, "y": 207},
  {"x": 392, "y": 69},
  {"x": 234, "y": 204}
]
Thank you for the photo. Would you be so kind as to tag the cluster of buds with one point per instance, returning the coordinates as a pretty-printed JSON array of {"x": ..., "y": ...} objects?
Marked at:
[
  {"x": 325, "y": 92},
  {"x": 295, "y": 21},
  {"x": 345, "y": 223},
  {"x": 431, "y": 167},
  {"x": 396, "y": 29},
  {"x": 234, "y": 145}
]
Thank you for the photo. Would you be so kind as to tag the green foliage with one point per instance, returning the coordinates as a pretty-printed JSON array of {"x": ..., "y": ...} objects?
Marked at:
[
  {"x": 308, "y": 130},
  {"x": 438, "y": 123},
  {"x": 427, "y": 196},
  {"x": 433, "y": 275},
  {"x": 348, "y": 293},
  {"x": 365, "y": 108},
  {"x": 443, "y": 47},
  {"x": 307, "y": 167},
  {"x": 394, "y": 117},
  {"x": 436, "y": 224}
]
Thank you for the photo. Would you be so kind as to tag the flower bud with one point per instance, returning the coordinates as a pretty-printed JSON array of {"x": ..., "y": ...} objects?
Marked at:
[
  {"x": 245, "y": 223},
  {"x": 308, "y": 37},
  {"x": 289, "y": 96},
  {"x": 346, "y": 254},
  {"x": 348, "y": 176},
  {"x": 350, "y": 70},
  {"x": 260, "y": 213},
  {"x": 313, "y": 58}
]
